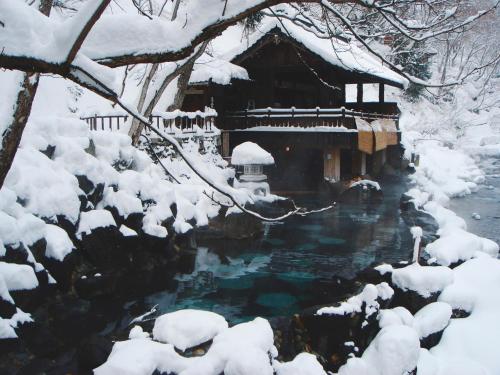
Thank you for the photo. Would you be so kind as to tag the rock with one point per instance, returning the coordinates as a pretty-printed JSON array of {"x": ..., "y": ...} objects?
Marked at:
[
  {"x": 93, "y": 351},
  {"x": 103, "y": 247},
  {"x": 40, "y": 340},
  {"x": 414, "y": 217},
  {"x": 411, "y": 299}
]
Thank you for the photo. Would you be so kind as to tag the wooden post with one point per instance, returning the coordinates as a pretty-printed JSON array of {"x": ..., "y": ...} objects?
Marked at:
[
  {"x": 359, "y": 98},
  {"x": 381, "y": 89}
]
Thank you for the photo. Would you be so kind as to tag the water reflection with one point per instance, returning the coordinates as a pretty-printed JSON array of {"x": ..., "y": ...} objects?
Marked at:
[{"x": 295, "y": 264}]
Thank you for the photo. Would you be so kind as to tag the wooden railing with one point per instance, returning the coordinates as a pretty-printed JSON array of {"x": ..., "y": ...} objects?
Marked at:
[
  {"x": 294, "y": 117},
  {"x": 170, "y": 123}
]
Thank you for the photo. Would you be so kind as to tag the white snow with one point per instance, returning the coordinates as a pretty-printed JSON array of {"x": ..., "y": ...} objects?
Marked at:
[
  {"x": 384, "y": 268},
  {"x": 127, "y": 232},
  {"x": 18, "y": 276},
  {"x": 425, "y": 280},
  {"x": 302, "y": 364},
  {"x": 91, "y": 220},
  {"x": 250, "y": 153},
  {"x": 432, "y": 318},
  {"x": 187, "y": 328},
  {"x": 335, "y": 51},
  {"x": 240, "y": 350},
  {"x": 366, "y": 183},
  {"x": 394, "y": 351},
  {"x": 58, "y": 242},
  {"x": 368, "y": 296},
  {"x": 458, "y": 244},
  {"x": 469, "y": 345}
]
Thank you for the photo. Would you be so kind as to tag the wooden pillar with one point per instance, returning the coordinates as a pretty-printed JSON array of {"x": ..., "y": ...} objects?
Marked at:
[
  {"x": 342, "y": 94},
  {"x": 363, "y": 164},
  {"x": 331, "y": 166},
  {"x": 359, "y": 90},
  {"x": 381, "y": 89}
]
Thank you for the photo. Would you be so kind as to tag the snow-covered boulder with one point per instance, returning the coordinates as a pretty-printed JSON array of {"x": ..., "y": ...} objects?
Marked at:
[
  {"x": 188, "y": 328},
  {"x": 425, "y": 280},
  {"x": 432, "y": 318},
  {"x": 251, "y": 153},
  {"x": 394, "y": 351},
  {"x": 458, "y": 245},
  {"x": 302, "y": 364}
]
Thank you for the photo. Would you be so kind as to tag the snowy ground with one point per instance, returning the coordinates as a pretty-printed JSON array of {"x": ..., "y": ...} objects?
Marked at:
[{"x": 453, "y": 165}]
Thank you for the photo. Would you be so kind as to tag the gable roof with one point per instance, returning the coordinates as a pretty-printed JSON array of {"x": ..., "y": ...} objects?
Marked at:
[{"x": 231, "y": 46}]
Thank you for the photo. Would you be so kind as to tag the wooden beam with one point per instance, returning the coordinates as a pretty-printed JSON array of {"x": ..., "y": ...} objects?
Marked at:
[
  {"x": 381, "y": 89},
  {"x": 359, "y": 98}
]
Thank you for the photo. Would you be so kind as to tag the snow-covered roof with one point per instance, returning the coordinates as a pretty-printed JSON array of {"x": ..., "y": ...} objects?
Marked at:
[
  {"x": 232, "y": 43},
  {"x": 251, "y": 153},
  {"x": 217, "y": 70}
]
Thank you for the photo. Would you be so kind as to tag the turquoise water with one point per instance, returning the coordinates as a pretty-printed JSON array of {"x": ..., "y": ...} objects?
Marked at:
[{"x": 295, "y": 265}]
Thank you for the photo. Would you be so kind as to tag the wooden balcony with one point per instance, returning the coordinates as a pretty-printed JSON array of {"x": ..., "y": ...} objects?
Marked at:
[
  {"x": 172, "y": 123},
  {"x": 308, "y": 117}
]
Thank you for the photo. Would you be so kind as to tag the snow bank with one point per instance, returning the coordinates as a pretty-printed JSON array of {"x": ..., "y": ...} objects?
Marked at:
[
  {"x": 469, "y": 345},
  {"x": 187, "y": 328},
  {"x": 240, "y": 350},
  {"x": 458, "y": 245},
  {"x": 250, "y": 153},
  {"x": 425, "y": 280},
  {"x": 394, "y": 351}
]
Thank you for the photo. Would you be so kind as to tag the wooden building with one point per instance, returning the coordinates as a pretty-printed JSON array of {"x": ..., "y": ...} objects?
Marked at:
[{"x": 297, "y": 103}]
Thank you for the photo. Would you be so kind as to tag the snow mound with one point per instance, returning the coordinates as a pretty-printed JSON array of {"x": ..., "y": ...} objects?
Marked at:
[
  {"x": 18, "y": 276},
  {"x": 251, "y": 153},
  {"x": 394, "y": 351},
  {"x": 187, "y": 328},
  {"x": 58, "y": 242},
  {"x": 457, "y": 245},
  {"x": 469, "y": 345},
  {"x": 432, "y": 318},
  {"x": 425, "y": 280},
  {"x": 396, "y": 316},
  {"x": 302, "y": 364},
  {"x": 244, "y": 349},
  {"x": 95, "y": 219}
]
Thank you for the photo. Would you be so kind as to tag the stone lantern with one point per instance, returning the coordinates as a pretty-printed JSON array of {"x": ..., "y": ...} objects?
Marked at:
[{"x": 249, "y": 159}]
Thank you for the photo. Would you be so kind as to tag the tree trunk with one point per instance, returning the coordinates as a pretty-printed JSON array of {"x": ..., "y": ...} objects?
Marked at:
[
  {"x": 22, "y": 102},
  {"x": 184, "y": 73},
  {"x": 182, "y": 85},
  {"x": 136, "y": 126}
]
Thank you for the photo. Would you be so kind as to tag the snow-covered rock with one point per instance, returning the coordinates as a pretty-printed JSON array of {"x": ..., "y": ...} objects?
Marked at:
[
  {"x": 58, "y": 242},
  {"x": 425, "y": 280},
  {"x": 458, "y": 244},
  {"x": 187, "y": 328},
  {"x": 432, "y": 318},
  {"x": 95, "y": 219},
  {"x": 394, "y": 351},
  {"x": 18, "y": 276},
  {"x": 368, "y": 297},
  {"x": 302, "y": 364}
]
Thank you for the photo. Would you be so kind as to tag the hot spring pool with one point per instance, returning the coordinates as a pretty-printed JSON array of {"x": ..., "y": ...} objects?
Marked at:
[{"x": 295, "y": 264}]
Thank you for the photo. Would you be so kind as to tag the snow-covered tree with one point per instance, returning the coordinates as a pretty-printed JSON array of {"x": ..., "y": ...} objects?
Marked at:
[{"x": 91, "y": 41}]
